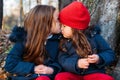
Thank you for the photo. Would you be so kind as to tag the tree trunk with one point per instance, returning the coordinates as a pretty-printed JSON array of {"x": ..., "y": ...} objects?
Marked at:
[
  {"x": 63, "y": 3},
  {"x": 108, "y": 12},
  {"x": 20, "y": 22},
  {"x": 1, "y": 13},
  {"x": 38, "y": 1},
  {"x": 29, "y": 4},
  {"x": 108, "y": 19},
  {"x": 116, "y": 72}
]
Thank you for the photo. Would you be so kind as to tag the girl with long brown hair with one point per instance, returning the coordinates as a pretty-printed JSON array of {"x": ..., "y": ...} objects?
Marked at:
[
  {"x": 33, "y": 55},
  {"x": 83, "y": 52}
]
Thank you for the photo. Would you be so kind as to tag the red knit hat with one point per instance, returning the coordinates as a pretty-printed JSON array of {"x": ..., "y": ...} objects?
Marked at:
[{"x": 75, "y": 15}]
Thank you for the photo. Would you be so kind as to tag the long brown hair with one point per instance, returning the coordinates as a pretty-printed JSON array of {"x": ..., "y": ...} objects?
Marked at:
[
  {"x": 80, "y": 43},
  {"x": 37, "y": 23}
]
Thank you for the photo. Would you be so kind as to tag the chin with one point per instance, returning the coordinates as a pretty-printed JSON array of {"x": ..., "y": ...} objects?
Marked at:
[{"x": 65, "y": 36}]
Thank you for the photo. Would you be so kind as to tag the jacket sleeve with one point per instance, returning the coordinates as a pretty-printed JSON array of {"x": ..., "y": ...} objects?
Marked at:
[
  {"x": 54, "y": 64},
  {"x": 14, "y": 62},
  {"x": 106, "y": 54},
  {"x": 69, "y": 62}
]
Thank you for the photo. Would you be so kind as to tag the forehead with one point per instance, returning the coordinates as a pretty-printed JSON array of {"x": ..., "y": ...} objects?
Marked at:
[{"x": 64, "y": 25}]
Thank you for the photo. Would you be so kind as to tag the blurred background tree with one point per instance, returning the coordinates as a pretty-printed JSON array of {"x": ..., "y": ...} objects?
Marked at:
[{"x": 1, "y": 13}]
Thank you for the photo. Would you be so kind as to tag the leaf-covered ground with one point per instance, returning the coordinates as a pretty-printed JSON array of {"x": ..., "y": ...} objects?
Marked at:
[{"x": 5, "y": 46}]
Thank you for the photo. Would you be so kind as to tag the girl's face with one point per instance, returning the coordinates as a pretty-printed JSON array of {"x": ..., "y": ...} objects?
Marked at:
[
  {"x": 55, "y": 25},
  {"x": 66, "y": 31}
]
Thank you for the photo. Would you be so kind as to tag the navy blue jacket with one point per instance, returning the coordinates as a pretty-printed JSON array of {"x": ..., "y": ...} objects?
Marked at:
[
  {"x": 69, "y": 59},
  {"x": 25, "y": 70}
]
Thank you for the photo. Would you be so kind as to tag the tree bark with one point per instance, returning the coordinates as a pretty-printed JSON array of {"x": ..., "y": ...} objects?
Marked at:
[
  {"x": 1, "y": 13},
  {"x": 38, "y": 1},
  {"x": 116, "y": 73},
  {"x": 20, "y": 23},
  {"x": 108, "y": 19},
  {"x": 63, "y": 3}
]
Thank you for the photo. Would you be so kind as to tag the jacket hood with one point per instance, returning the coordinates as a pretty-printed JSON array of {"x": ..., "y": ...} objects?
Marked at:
[
  {"x": 17, "y": 34},
  {"x": 91, "y": 32}
]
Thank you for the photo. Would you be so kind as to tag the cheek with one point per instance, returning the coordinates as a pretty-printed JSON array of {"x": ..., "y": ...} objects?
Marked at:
[
  {"x": 66, "y": 34},
  {"x": 58, "y": 25},
  {"x": 56, "y": 28}
]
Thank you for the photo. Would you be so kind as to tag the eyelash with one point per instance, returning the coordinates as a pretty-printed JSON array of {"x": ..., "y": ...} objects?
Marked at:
[{"x": 63, "y": 26}]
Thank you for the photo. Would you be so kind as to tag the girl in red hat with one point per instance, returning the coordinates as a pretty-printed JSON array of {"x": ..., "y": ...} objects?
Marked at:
[{"x": 83, "y": 51}]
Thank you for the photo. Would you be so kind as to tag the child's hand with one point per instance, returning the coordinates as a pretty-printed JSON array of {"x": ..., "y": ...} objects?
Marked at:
[
  {"x": 42, "y": 69},
  {"x": 94, "y": 58},
  {"x": 83, "y": 63}
]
